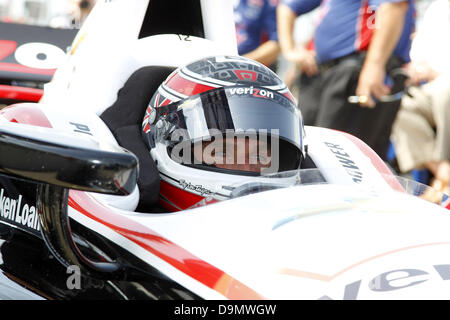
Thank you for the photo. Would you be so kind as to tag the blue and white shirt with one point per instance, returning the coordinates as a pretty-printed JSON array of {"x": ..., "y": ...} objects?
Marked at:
[
  {"x": 255, "y": 22},
  {"x": 346, "y": 26}
]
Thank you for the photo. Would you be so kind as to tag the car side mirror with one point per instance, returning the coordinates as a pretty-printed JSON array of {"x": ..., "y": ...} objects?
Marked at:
[
  {"x": 58, "y": 162},
  {"x": 55, "y": 158}
]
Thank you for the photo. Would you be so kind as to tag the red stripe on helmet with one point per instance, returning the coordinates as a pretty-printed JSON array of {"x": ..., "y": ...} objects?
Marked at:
[
  {"x": 157, "y": 100},
  {"x": 146, "y": 128},
  {"x": 165, "y": 102},
  {"x": 185, "y": 86},
  {"x": 289, "y": 95}
]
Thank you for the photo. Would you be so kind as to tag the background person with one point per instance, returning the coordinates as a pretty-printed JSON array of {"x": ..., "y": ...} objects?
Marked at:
[
  {"x": 356, "y": 44},
  {"x": 256, "y": 30},
  {"x": 421, "y": 132},
  {"x": 303, "y": 78},
  {"x": 75, "y": 17}
]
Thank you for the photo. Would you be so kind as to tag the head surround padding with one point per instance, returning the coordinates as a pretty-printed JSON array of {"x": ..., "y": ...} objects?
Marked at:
[{"x": 124, "y": 119}]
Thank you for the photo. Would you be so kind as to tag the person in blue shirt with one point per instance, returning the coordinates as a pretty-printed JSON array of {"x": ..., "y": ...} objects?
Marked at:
[
  {"x": 357, "y": 44},
  {"x": 256, "y": 30}
]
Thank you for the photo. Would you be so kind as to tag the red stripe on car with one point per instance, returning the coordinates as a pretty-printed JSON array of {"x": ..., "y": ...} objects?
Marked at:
[
  {"x": 161, "y": 247},
  {"x": 181, "y": 198}
]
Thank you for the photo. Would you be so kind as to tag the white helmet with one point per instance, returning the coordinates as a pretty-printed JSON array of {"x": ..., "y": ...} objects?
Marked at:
[{"x": 217, "y": 121}]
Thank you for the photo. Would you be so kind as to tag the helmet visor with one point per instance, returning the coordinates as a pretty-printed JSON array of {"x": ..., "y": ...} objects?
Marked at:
[{"x": 250, "y": 114}]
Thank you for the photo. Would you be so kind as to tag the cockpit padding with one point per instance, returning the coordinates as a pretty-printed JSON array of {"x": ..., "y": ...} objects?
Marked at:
[{"x": 124, "y": 119}]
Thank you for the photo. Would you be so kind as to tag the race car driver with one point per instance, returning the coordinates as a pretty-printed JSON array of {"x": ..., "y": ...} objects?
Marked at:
[{"x": 216, "y": 121}]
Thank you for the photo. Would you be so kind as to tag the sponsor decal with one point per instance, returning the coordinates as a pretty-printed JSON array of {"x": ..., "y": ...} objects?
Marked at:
[
  {"x": 256, "y": 92},
  {"x": 394, "y": 280},
  {"x": 39, "y": 55},
  {"x": 17, "y": 212},
  {"x": 345, "y": 160},
  {"x": 81, "y": 128},
  {"x": 7, "y": 47},
  {"x": 32, "y": 52},
  {"x": 183, "y": 37},
  {"x": 197, "y": 188}
]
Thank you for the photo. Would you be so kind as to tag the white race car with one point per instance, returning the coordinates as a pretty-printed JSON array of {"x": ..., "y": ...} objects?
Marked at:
[{"x": 342, "y": 226}]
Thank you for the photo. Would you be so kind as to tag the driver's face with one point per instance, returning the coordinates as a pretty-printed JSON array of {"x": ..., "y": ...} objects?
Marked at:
[{"x": 238, "y": 153}]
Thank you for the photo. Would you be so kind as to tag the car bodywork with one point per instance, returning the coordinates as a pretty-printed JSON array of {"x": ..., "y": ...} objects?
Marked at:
[{"x": 69, "y": 228}]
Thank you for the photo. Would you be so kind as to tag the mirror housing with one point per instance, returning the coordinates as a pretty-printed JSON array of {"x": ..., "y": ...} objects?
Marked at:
[
  {"x": 24, "y": 155},
  {"x": 56, "y": 162}
]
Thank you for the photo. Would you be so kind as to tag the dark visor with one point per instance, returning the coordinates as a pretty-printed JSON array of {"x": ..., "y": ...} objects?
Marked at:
[
  {"x": 242, "y": 111},
  {"x": 238, "y": 108}
]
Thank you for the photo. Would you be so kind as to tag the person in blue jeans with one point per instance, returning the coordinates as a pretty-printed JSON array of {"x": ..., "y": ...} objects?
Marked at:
[
  {"x": 357, "y": 44},
  {"x": 256, "y": 30}
]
